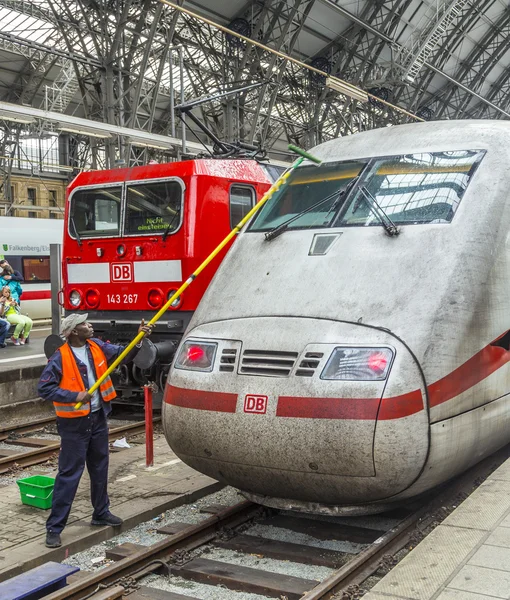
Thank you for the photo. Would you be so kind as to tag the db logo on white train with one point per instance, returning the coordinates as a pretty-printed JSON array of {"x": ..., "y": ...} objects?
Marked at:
[
  {"x": 121, "y": 272},
  {"x": 255, "y": 404}
]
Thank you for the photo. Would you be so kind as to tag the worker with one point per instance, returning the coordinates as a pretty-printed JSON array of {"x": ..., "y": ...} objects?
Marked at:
[{"x": 70, "y": 372}]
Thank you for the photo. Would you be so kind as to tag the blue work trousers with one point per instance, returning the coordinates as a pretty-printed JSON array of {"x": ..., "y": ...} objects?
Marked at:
[
  {"x": 84, "y": 440},
  {"x": 4, "y": 328}
]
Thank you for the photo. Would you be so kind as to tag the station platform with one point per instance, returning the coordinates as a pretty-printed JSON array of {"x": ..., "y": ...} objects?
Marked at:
[
  {"x": 21, "y": 367},
  {"x": 32, "y": 352},
  {"x": 467, "y": 557},
  {"x": 137, "y": 494}
]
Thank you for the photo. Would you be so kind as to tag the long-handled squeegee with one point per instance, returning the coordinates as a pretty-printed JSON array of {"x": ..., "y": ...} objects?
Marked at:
[{"x": 281, "y": 181}]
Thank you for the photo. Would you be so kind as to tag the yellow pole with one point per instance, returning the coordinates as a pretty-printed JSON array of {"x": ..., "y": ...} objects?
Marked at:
[{"x": 274, "y": 188}]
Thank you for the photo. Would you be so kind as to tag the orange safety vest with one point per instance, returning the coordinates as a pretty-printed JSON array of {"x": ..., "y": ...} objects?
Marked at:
[{"x": 72, "y": 381}]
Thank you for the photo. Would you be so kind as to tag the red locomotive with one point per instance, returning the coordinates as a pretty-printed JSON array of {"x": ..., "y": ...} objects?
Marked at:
[{"x": 133, "y": 235}]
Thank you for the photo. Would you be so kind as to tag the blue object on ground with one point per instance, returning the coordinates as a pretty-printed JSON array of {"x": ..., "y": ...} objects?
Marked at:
[{"x": 37, "y": 583}]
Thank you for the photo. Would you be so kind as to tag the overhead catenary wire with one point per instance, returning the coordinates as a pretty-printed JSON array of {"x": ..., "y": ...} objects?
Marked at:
[
  {"x": 288, "y": 58},
  {"x": 281, "y": 181}
]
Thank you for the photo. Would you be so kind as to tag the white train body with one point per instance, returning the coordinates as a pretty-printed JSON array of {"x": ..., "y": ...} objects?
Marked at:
[
  {"x": 25, "y": 243},
  {"x": 423, "y": 317}
]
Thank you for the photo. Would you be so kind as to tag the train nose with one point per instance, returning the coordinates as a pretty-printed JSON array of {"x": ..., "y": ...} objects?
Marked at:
[{"x": 319, "y": 418}]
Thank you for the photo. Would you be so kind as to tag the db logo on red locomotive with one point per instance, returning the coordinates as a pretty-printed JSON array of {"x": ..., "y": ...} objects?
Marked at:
[
  {"x": 121, "y": 272},
  {"x": 255, "y": 404}
]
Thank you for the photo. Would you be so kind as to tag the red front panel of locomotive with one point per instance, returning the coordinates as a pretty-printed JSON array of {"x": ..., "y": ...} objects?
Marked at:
[{"x": 132, "y": 236}]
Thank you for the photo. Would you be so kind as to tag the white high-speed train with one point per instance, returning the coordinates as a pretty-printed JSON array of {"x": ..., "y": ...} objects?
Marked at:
[
  {"x": 25, "y": 243},
  {"x": 352, "y": 350}
]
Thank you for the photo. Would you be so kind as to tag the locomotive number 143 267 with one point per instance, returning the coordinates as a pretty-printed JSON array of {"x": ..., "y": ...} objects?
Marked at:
[{"x": 122, "y": 298}]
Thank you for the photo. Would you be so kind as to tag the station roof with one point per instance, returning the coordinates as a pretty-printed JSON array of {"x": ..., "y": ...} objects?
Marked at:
[{"x": 109, "y": 61}]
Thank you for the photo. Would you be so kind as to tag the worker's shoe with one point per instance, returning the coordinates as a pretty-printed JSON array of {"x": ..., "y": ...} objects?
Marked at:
[
  {"x": 107, "y": 519},
  {"x": 53, "y": 540}
]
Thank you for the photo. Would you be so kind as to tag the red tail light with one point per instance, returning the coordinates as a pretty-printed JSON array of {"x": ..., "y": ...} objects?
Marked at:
[
  {"x": 377, "y": 362},
  {"x": 155, "y": 298},
  {"x": 353, "y": 363},
  {"x": 195, "y": 354},
  {"x": 92, "y": 298}
]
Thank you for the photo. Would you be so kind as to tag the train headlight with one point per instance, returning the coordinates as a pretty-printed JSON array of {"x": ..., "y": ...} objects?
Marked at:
[
  {"x": 358, "y": 364},
  {"x": 75, "y": 298},
  {"x": 196, "y": 356},
  {"x": 177, "y": 302}
]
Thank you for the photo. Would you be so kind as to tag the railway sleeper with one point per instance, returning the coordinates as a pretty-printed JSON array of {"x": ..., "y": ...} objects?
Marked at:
[{"x": 244, "y": 579}]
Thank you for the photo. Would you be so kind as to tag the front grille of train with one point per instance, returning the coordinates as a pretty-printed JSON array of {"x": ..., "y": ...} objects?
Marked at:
[
  {"x": 272, "y": 363},
  {"x": 228, "y": 360},
  {"x": 310, "y": 362}
]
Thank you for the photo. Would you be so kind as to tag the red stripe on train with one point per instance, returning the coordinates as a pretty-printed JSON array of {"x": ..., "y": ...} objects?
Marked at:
[
  {"x": 327, "y": 408},
  {"x": 474, "y": 370},
  {"x": 36, "y": 295},
  {"x": 217, "y": 401},
  {"x": 360, "y": 409}
]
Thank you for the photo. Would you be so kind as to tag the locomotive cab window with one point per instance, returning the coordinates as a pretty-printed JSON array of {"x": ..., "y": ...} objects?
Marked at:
[
  {"x": 242, "y": 200},
  {"x": 95, "y": 212},
  {"x": 154, "y": 207}
]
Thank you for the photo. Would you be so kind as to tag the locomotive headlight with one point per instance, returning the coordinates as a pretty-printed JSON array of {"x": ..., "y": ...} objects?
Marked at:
[
  {"x": 196, "y": 356},
  {"x": 75, "y": 298},
  {"x": 358, "y": 364},
  {"x": 177, "y": 302}
]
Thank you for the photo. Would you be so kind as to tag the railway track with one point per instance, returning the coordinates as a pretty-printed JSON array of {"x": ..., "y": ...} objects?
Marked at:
[
  {"x": 190, "y": 552},
  {"x": 182, "y": 554},
  {"x": 22, "y": 428},
  {"x": 43, "y": 449}
]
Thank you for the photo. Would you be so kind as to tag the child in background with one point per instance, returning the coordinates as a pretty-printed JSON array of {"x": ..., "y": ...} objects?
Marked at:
[{"x": 9, "y": 309}]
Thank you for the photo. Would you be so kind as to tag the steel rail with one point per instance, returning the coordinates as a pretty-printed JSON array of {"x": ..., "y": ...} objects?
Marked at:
[
  {"x": 40, "y": 455},
  {"x": 148, "y": 560},
  {"x": 368, "y": 559},
  {"x": 34, "y": 425}
]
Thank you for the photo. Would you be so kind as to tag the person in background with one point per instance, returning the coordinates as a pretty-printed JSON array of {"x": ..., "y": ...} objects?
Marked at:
[
  {"x": 10, "y": 280},
  {"x": 11, "y": 311},
  {"x": 15, "y": 275},
  {"x": 70, "y": 372},
  {"x": 4, "y": 327}
]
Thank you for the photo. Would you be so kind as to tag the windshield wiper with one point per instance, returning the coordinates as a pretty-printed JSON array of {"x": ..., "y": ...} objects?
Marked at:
[
  {"x": 78, "y": 238},
  {"x": 276, "y": 231},
  {"x": 167, "y": 230},
  {"x": 341, "y": 196},
  {"x": 377, "y": 210}
]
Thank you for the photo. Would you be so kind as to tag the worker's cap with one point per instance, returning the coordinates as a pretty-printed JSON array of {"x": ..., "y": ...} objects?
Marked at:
[{"x": 70, "y": 322}]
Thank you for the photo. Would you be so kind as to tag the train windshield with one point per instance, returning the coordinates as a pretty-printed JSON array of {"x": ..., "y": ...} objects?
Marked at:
[
  {"x": 95, "y": 211},
  {"x": 153, "y": 207},
  {"x": 412, "y": 189},
  {"x": 307, "y": 186}
]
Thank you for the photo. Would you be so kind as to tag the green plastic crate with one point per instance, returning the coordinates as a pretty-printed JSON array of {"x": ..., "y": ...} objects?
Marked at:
[{"x": 37, "y": 490}]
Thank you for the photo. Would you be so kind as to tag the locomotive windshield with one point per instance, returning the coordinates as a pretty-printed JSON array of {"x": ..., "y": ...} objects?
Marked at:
[
  {"x": 153, "y": 207},
  {"x": 95, "y": 211},
  {"x": 150, "y": 208},
  {"x": 411, "y": 189}
]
